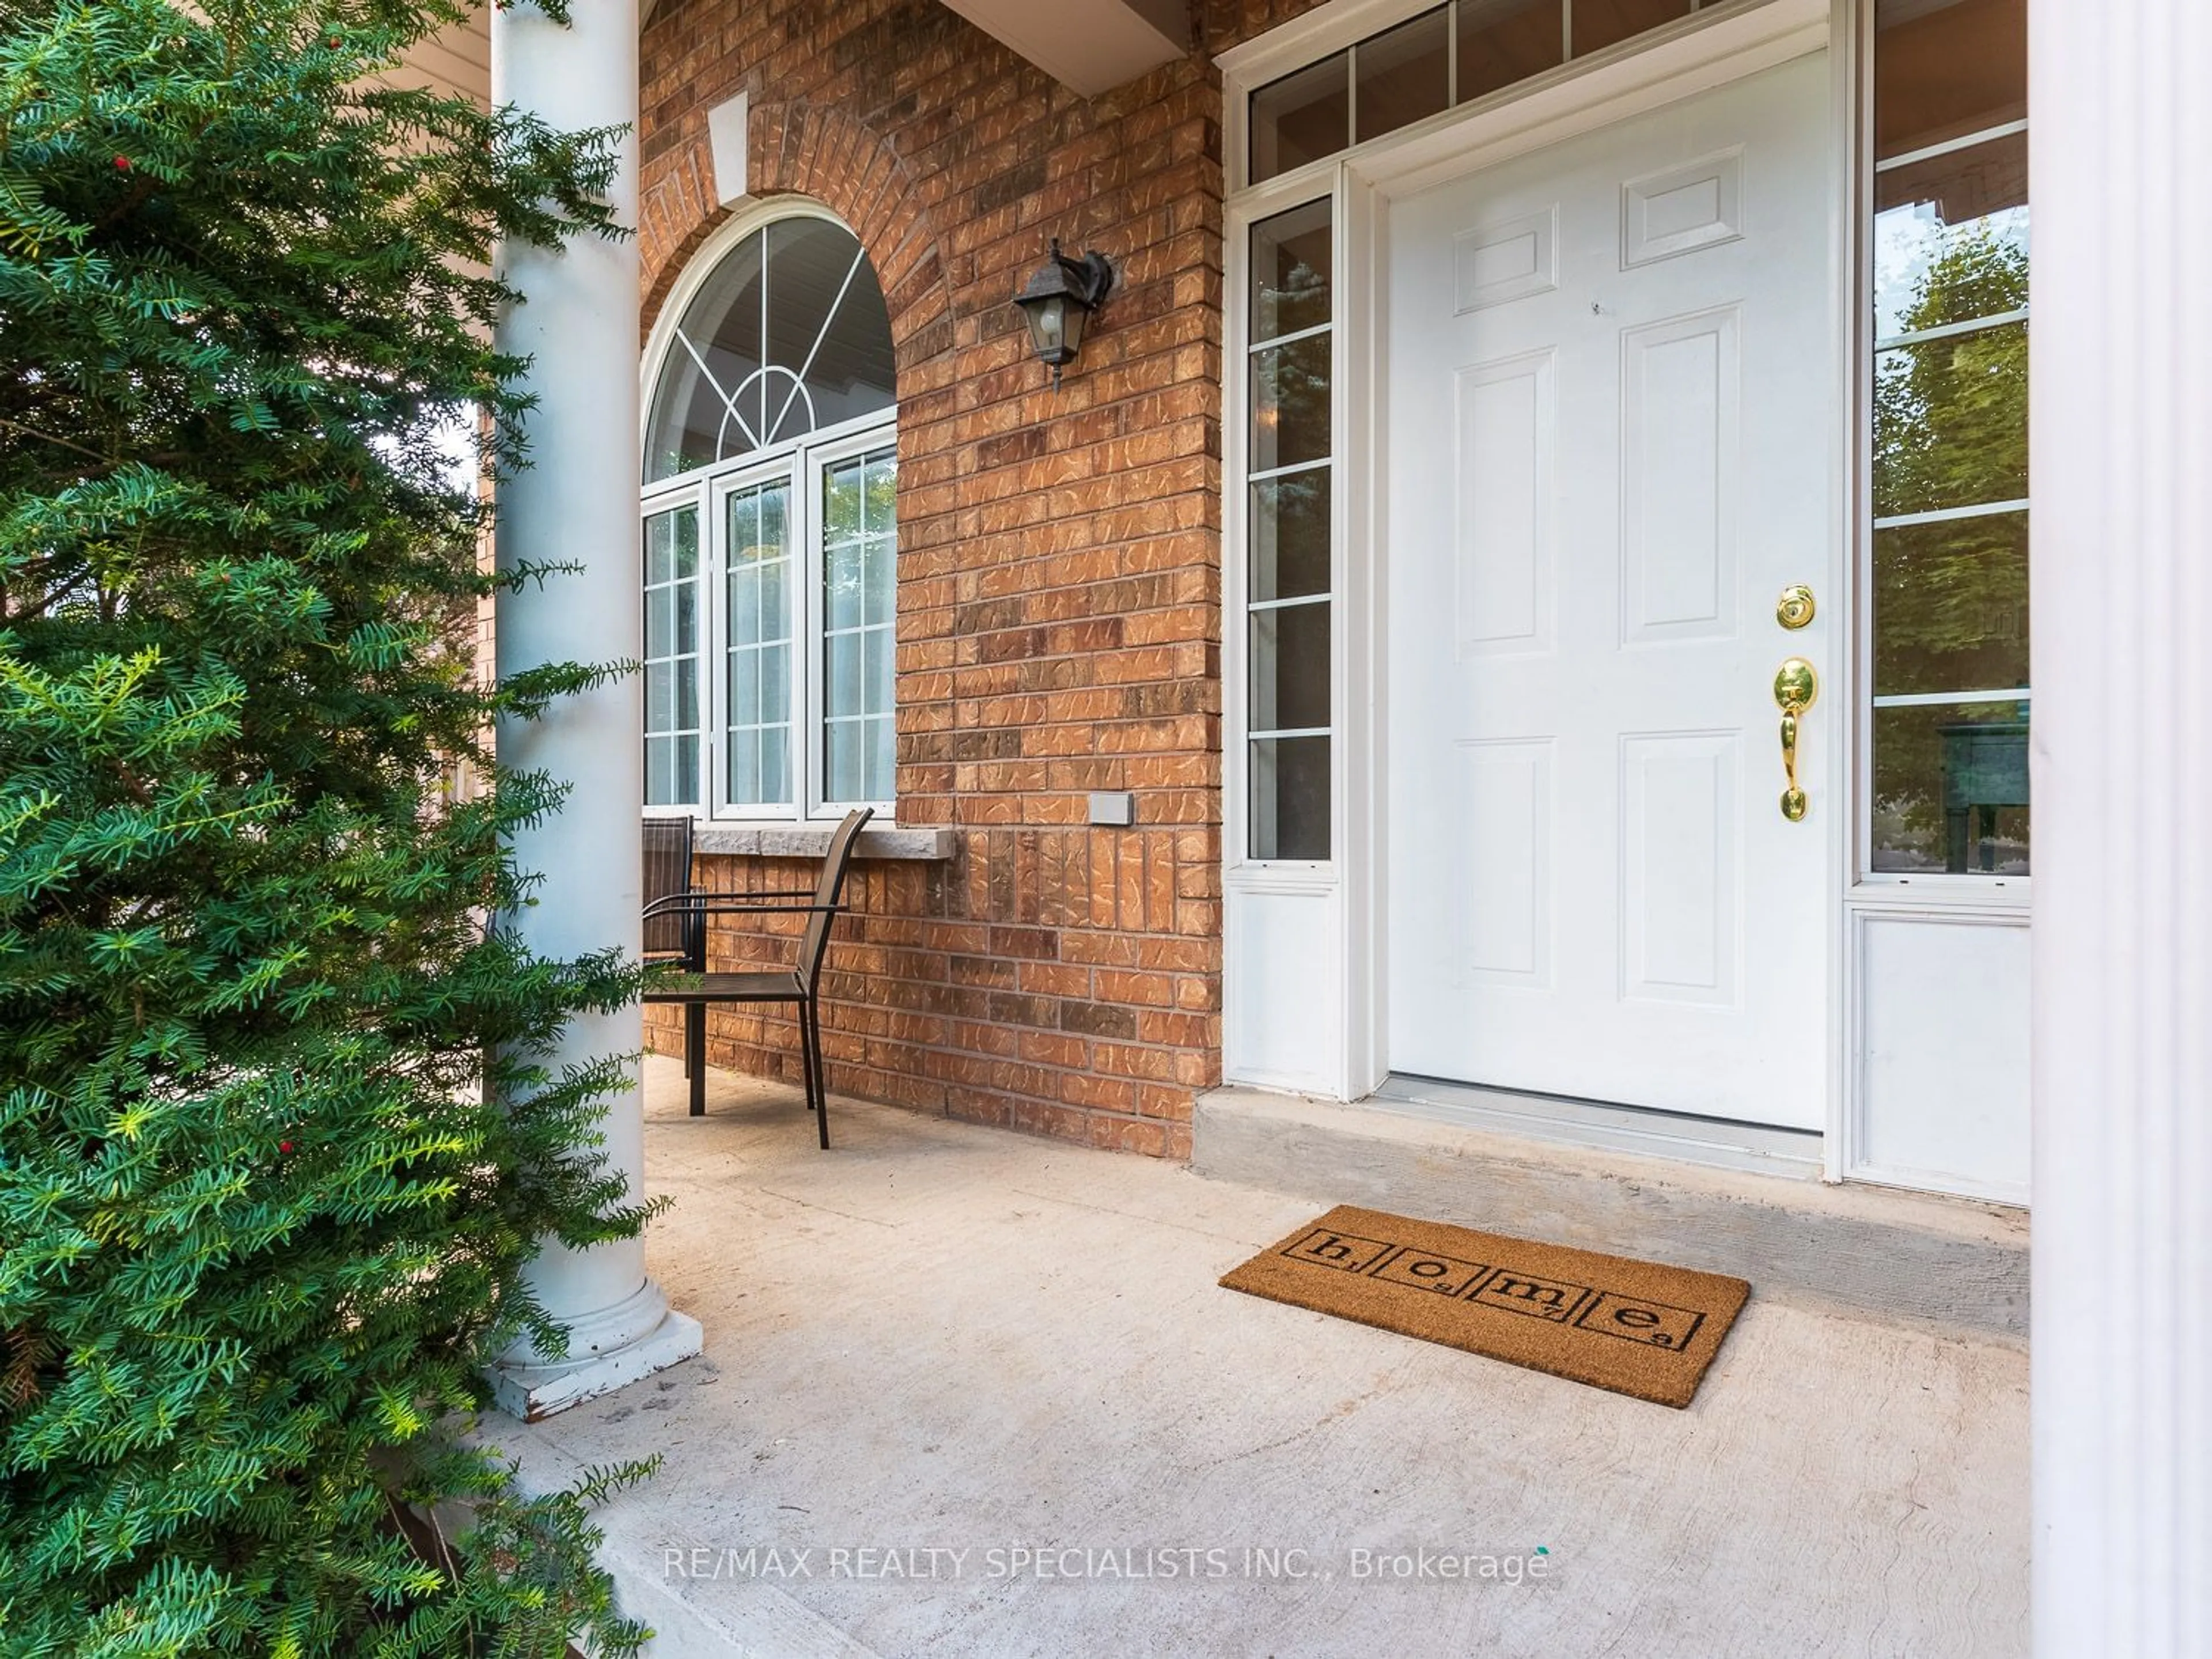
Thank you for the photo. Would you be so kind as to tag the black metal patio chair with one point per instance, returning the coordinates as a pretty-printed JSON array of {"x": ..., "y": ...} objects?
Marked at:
[
  {"x": 675, "y": 935},
  {"x": 695, "y": 988}
]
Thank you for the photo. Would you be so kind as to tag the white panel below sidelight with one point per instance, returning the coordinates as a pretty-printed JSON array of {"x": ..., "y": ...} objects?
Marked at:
[
  {"x": 1283, "y": 988},
  {"x": 1503, "y": 482},
  {"x": 1944, "y": 1034}
]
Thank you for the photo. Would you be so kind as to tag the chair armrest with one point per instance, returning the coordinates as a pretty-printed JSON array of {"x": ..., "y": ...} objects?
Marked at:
[
  {"x": 762, "y": 909},
  {"x": 705, "y": 905},
  {"x": 701, "y": 901}
]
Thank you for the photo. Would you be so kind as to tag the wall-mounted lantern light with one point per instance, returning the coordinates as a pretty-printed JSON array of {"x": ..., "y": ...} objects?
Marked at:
[{"x": 1059, "y": 301}]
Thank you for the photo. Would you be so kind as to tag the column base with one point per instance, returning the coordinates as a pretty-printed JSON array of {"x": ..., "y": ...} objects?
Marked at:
[{"x": 534, "y": 1390}]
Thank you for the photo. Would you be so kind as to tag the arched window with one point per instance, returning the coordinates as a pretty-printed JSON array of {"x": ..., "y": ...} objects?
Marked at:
[{"x": 770, "y": 469}]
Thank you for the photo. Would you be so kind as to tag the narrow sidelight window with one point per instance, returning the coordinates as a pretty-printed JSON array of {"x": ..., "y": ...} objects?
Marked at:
[
  {"x": 1290, "y": 570},
  {"x": 1950, "y": 507}
]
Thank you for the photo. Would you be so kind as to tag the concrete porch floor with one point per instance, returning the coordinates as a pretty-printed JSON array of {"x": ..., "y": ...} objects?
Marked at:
[{"x": 942, "y": 1337}]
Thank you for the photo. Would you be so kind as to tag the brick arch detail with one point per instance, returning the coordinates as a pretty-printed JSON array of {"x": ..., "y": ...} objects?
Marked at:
[{"x": 802, "y": 148}]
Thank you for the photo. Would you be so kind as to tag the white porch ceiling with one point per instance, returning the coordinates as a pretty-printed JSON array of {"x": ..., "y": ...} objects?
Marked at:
[{"x": 1087, "y": 46}]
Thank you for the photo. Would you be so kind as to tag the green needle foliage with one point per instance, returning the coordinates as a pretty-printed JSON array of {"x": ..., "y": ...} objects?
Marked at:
[{"x": 258, "y": 1229}]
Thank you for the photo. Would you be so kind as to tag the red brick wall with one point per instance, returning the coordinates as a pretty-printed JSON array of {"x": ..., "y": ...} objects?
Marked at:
[{"x": 1059, "y": 603}]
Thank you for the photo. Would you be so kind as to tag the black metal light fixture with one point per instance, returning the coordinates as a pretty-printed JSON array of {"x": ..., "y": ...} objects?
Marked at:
[{"x": 1059, "y": 301}]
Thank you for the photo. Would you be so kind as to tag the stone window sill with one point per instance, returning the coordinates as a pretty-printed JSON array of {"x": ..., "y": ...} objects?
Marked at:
[{"x": 807, "y": 841}]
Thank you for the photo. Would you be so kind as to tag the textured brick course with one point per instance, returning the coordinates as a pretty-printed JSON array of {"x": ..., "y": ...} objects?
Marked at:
[{"x": 1060, "y": 554}]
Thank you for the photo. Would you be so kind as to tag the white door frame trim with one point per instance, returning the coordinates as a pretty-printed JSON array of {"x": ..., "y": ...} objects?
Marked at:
[{"x": 1712, "y": 48}]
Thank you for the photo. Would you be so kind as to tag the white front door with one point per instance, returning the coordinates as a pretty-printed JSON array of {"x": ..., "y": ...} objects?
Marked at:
[{"x": 1612, "y": 440}]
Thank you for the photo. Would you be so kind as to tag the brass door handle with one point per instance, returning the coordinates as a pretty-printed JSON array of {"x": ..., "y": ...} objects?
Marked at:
[{"x": 1795, "y": 686}]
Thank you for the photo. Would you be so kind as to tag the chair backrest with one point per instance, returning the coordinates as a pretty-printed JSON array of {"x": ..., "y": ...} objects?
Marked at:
[
  {"x": 815, "y": 944},
  {"x": 667, "y": 847}
]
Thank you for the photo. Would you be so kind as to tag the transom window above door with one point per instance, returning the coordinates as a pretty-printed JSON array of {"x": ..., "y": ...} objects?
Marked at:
[
  {"x": 769, "y": 531},
  {"x": 1443, "y": 57}
]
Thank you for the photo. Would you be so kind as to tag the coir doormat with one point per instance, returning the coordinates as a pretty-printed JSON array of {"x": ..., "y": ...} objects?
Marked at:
[{"x": 1636, "y": 1327}]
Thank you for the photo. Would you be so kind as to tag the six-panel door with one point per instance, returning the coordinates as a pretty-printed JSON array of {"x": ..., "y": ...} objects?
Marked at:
[{"x": 1610, "y": 447}]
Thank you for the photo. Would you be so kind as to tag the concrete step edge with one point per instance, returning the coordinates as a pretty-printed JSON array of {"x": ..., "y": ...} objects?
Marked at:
[{"x": 1956, "y": 1265}]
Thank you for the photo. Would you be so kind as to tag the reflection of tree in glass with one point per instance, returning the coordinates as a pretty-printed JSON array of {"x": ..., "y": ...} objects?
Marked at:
[
  {"x": 1291, "y": 541},
  {"x": 1292, "y": 408},
  {"x": 1290, "y": 404},
  {"x": 1951, "y": 414},
  {"x": 1951, "y": 597},
  {"x": 1297, "y": 298}
]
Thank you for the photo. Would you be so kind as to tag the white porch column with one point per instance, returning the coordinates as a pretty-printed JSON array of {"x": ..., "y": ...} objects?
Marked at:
[
  {"x": 2122, "y": 408},
  {"x": 579, "y": 502}
]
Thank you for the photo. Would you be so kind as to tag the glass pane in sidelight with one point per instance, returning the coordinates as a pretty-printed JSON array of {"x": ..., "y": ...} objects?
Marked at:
[
  {"x": 1290, "y": 798},
  {"x": 1292, "y": 259},
  {"x": 1503, "y": 41},
  {"x": 1403, "y": 74},
  {"x": 1301, "y": 118},
  {"x": 1950, "y": 423},
  {"x": 1290, "y": 667},
  {"x": 1290, "y": 402},
  {"x": 1944, "y": 70},
  {"x": 1291, "y": 535},
  {"x": 1950, "y": 609},
  {"x": 1950, "y": 238},
  {"x": 1950, "y": 789},
  {"x": 1602, "y": 23}
]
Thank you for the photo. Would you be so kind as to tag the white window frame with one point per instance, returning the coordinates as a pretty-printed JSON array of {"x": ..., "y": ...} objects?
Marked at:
[
  {"x": 802, "y": 462},
  {"x": 1982, "y": 892},
  {"x": 1238, "y": 477},
  {"x": 815, "y": 465},
  {"x": 715, "y": 688}
]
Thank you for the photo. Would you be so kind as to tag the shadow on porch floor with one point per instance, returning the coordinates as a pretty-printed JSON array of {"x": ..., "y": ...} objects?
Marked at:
[{"x": 941, "y": 1337}]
